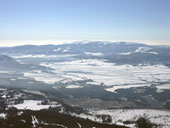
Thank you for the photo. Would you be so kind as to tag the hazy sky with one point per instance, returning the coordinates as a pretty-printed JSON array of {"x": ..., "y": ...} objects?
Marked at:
[{"x": 53, "y": 21}]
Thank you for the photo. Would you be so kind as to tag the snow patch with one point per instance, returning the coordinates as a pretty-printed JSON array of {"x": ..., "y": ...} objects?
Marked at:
[
  {"x": 142, "y": 49},
  {"x": 34, "y": 105},
  {"x": 159, "y": 117},
  {"x": 73, "y": 86},
  {"x": 114, "y": 88},
  {"x": 93, "y": 53},
  {"x": 34, "y": 121},
  {"x": 56, "y": 50},
  {"x": 3, "y": 115},
  {"x": 161, "y": 88}
]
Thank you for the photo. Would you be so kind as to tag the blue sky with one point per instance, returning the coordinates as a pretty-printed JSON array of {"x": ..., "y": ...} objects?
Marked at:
[{"x": 54, "y": 21}]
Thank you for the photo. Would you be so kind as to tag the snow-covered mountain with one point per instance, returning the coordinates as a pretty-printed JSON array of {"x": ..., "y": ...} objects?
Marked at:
[
  {"x": 116, "y": 52},
  {"x": 76, "y": 47}
]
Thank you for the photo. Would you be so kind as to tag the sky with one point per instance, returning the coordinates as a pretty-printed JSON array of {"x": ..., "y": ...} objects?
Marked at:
[{"x": 57, "y": 21}]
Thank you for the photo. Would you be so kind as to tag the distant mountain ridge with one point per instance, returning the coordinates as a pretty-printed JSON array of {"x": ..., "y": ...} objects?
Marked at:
[
  {"x": 81, "y": 46},
  {"x": 116, "y": 52}
]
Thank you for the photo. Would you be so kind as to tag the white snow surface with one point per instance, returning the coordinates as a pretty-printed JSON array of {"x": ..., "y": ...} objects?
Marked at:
[
  {"x": 161, "y": 88},
  {"x": 3, "y": 115},
  {"x": 35, "y": 122},
  {"x": 140, "y": 50},
  {"x": 159, "y": 117},
  {"x": 101, "y": 71},
  {"x": 42, "y": 55},
  {"x": 94, "y": 53},
  {"x": 73, "y": 86},
  {"x": 114, "y": 88},
  {"x": 31, "y": 105}
]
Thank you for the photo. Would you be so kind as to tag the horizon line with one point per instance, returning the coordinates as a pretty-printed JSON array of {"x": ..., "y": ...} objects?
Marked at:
[{"x": 15, "y": 43}]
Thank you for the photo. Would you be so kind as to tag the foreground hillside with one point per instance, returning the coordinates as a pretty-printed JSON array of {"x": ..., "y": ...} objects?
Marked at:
[
  {"x": 29, "y": 109},
  {"x": 19, "y": 109},
  {"x": 48, "y": 119}
]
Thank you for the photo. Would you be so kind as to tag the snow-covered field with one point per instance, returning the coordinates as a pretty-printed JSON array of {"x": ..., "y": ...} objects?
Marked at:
[
  {"x": 31, "y": 105},
  {"x": 100, "y": 71},
  {"x": 119, "y": 116},
  {"x": 73, "y": 86},
  {"x": 163, "y": 87},
  {"x": 44, "y": 77},
  {"x": 159, "y": 117}
]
